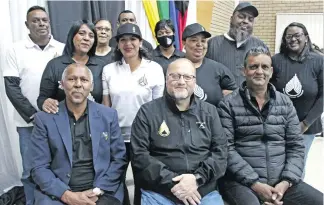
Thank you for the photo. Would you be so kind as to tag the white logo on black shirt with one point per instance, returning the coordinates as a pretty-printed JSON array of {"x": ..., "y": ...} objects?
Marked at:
[
  {"x": 293, "y": 88},
  {"x": 199, "y": 92}
]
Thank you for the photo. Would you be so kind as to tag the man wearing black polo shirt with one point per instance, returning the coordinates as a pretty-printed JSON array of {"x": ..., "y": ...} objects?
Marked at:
[
  {"x": 128, "y": 16},
  {"x": 166, "y": 52},
  {"x": 230, "y": 49},
  {"x": 78, "y": 154}
]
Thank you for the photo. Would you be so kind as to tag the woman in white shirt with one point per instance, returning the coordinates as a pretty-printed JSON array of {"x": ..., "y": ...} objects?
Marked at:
[{"x": 132, "y": 80}]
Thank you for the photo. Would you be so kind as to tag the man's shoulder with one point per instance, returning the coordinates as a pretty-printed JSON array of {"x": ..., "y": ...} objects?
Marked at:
[
  {"x": 217, "y": 38},
  {"x": 104, "y": 110},
  {"x": 256, "y": 40},
  {"x": 153, "y": 107},
  {"x": 232, "y": 99}
]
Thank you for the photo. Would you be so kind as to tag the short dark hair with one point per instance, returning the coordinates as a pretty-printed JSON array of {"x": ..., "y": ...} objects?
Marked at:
[
  {"x": 162, "y": 24},
  {"x": 33, "y": 8},
  {"x": 125, "y": 12},
  {"x": 69, "y": 46},
  {"x": 283, "y": 47},
  {"x": 255, "y": 51}
]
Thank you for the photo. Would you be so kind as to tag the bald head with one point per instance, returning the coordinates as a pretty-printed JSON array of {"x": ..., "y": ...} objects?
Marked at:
[
  {"x": 182, "y": 64},
  {"x": 181, "y": 79}
]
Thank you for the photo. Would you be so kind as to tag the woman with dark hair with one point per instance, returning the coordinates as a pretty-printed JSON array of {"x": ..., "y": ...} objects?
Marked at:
[
  {"x": 166, "y": 52},
  {"x": 298, "y": 73},
  {"x": 131, "y": 81},
  {"x": 80, "y": 48}
]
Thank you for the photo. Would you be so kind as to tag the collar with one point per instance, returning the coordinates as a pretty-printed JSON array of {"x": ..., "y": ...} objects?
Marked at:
[
  {"x": 173, "y": 107},
  {"x": 30, "y": 43},
  {"x": 157, "y": 52},
  {"x": 125, "y": 65},
  {"x": 238, "y": 44},
  {"x": 271, "y": 91},
  {"x": 71, "y": 114},
  {"x": 304, "y": 54},
  {"x": 68, "y": 60}
]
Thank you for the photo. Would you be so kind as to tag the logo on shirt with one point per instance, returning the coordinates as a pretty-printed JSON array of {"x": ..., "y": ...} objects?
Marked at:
[
  {"x": 201, "y": 125},
  {"x": 105, "y": 135},
  {"x": 293, "y": 88},
  {"x": 164, "y": 130},
  {"x": 142, "y": 81},
  {"x": 199, "y": 92}
]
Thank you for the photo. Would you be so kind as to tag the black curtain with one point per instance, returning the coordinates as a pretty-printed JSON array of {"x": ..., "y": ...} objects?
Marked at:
[{"x": 63, "y": 13}]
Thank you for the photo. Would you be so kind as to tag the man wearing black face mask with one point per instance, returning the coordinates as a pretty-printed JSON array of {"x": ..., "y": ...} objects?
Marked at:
[{"x": 165, "y": 52}]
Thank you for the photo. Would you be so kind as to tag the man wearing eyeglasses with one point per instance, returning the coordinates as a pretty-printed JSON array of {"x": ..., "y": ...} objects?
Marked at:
[{"x": 178, "y": 147}]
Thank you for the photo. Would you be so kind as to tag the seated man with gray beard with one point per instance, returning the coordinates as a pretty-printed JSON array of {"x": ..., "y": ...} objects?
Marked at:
[
  {"x": 178, "y": 147},
  {"x": 230, "y": 48}
]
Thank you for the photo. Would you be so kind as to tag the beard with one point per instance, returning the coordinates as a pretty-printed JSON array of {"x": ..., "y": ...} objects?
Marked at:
[
  {"x": 239, "y": 34},
  {"x": 180, "y": 95}
]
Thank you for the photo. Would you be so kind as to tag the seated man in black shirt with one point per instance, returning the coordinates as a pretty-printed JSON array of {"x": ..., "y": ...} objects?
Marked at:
[
  {"x": 265, "y": 146},
  {"x": 178, "y": 147},
  {"x": 128, "y": 16},
  {"x": 78, "y": 154}
]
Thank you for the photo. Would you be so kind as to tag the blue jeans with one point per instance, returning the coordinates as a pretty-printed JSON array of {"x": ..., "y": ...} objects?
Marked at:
[
  {"x": 308, "y": 140},
  {"x": 153, "y": 198},
  {"x": 24, "y": 141}
]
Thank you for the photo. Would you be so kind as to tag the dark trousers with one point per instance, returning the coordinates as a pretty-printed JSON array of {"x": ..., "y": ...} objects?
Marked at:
[
  {"x": 300, "y": 194},
  {"x": 126, "y": 194},
  {"x": 108, "y": 200}
]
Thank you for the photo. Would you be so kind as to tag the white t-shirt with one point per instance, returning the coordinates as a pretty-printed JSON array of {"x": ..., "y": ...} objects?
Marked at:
[
  {"x": 129, "y": 90},
  {"x": 27, "y": 61}
]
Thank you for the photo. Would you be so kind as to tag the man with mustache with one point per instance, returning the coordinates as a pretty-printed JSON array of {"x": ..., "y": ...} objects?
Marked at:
[
  {"x": 178, "y": 147},
  {"x": 230, "y": 48},
  {"x": 78, "y": 154},
  {"x": 25, "y": 63}
]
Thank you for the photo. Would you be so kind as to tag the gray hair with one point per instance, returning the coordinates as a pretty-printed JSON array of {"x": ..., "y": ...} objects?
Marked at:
[
  {"x": 255, "y": 51},
  {"x": 76, "y": 64}
]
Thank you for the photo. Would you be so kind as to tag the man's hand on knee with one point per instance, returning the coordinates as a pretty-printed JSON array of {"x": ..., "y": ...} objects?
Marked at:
[
  {"x": 76, "y": 198},
  {"x": 186, "y": 189}
]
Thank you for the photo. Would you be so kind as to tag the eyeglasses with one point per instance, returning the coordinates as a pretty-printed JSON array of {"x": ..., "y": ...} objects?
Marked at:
[
  {"x": 296, "y": 35},
  {"x": 102, "y": 29},
  {"x": 176, "y": 77}
]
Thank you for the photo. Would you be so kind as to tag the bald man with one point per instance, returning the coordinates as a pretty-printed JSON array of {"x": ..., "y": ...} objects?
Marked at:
[
  {"x": 178, "y": 144},
  {"x": 78, "y": 154}
]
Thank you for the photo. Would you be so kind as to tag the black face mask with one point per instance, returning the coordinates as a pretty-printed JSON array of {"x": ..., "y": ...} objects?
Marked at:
[{"x": 165, "y": 41}]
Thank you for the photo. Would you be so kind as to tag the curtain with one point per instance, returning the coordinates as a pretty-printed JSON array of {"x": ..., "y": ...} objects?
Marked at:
[
  {"x": 89, "y": 10},
  {"x": 13, "y": 20}
]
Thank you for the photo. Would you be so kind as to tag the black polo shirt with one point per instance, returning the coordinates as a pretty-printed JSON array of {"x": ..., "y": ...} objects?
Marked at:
[
  {"x": 106, "y": 59},
  {"x": 164, "y": 61},
  {"x": 82, "y": 174},
  {"x": 213, "y": 77}
]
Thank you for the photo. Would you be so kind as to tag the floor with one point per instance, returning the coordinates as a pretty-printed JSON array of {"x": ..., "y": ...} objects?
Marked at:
[{"x": 314, "y": 168}]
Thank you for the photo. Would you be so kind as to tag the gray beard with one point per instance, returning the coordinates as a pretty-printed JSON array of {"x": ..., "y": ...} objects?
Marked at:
[{"x": 238, "y": 34}]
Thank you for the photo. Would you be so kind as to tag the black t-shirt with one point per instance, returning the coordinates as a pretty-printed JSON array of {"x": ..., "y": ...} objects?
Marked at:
[
  {"x": 212, "y": 78},
  {"x": 302, "y": 81},
  {"x": 164, "y": 61},
  {"x": 82, "y": 174},
  {"x": 106, "y": 59}
]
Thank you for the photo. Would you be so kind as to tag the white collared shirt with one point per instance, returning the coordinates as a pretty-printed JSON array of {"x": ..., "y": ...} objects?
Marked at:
[
  {"x": 27, "y": 61},
  {"x": 238, "y": 44},
  {"x": 129, "y": 90}
]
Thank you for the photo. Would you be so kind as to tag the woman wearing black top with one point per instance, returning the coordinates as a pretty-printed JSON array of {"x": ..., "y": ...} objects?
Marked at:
[
  {"x": 104, "y": 52},
  {"x": 298, "y": 73},
  {"x": 80, "y": 48}
]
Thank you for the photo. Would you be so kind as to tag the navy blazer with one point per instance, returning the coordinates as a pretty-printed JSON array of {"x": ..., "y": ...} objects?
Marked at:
[{"x": 51, "y": 151}]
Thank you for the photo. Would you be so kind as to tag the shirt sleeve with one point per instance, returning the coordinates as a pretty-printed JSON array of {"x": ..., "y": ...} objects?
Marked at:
[
  {"x": 11, "y": 67},
  {"x": 227, "y": 81},
  {"x": 158, "y": 88},
  {"x": 105, "y": 81},
  {"x": 317, "y": 108}
]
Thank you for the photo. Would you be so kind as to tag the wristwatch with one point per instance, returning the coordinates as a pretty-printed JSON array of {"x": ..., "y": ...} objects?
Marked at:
[
  {"x": 98, "y": 191},
  {"x": 199, "y": 179}
]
